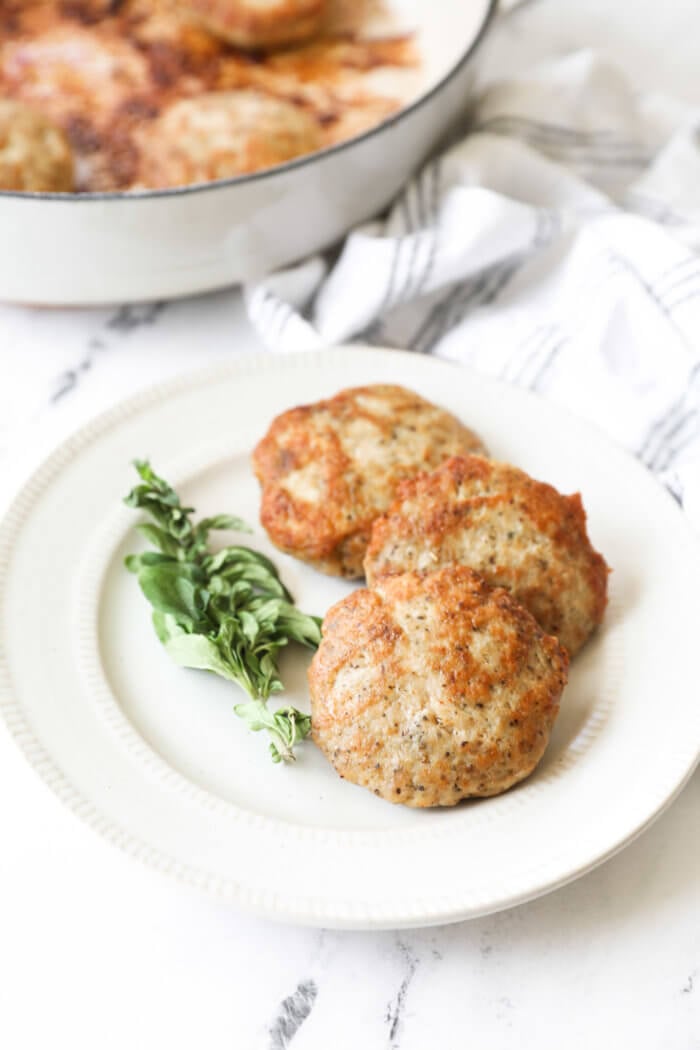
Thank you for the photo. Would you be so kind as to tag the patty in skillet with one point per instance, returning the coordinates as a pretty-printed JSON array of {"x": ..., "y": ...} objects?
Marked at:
[
  {"x": 435, "y": 687},
  {"x": 517, "y": 532},
  {"x": 223, "y": 134},
  {"x": 329, "y": 469},
  {"x": 257, "y": 24},
  {"x": 34, "y": 154}
]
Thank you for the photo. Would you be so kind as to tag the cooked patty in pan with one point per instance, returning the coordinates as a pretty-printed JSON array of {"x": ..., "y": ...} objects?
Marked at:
[
  {"x": 258, "y": 23},
  {"x": 224, "y": 133},
  {"x": 34, "y": 154}
]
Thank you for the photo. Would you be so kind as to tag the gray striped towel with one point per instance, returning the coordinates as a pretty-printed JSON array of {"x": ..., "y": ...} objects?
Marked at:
[{"x": 557, "y": 246}]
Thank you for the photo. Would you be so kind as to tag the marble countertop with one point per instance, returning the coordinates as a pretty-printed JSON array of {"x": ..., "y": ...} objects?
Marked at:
[{"x": 98, "y": 951}]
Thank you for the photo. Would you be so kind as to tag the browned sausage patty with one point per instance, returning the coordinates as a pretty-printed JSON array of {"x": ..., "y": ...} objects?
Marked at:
[
  {"x": 34, "y": 153},
  {"x": 258, "y": 23},
  {"x": 329, "y": 469},
  {"x": 223, "y": 134},
  {"x": 434, "y": 687},
  {"x": 517, "y": 532}
]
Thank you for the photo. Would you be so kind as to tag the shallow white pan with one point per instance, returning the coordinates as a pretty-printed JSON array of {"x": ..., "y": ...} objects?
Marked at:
[{"x": 112, "y": 247}]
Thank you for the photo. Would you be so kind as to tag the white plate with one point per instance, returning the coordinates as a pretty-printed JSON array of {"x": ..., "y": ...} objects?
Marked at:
[{"x": 153, "y": 757}]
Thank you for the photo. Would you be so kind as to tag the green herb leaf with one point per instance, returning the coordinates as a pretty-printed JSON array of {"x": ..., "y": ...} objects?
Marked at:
[
  {"x": 222, "y": 521},
  {"x": 170, "y": 591},
  {"x": 198, "y": 652},
  {"x": 166, "y": 627},
  {"x": 160, "y": 539}
]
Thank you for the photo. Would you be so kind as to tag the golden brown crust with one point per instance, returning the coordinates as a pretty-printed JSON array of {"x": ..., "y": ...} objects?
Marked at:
[
  {"x": 434, "y": 687},
  {"x": 329, "y": 469},
  {"x": 222, "y": 134},
  {"x": 257, "y": 24},
  {"x": 517, "y": 532},
  {"x": 34, "y": 154}
]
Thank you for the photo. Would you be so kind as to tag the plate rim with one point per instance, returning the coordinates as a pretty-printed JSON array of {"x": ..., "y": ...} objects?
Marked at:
[{"x": 19, "y": 506}]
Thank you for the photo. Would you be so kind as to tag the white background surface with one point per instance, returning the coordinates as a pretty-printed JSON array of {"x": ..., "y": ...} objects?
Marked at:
[{"x": 97, "y": 951}]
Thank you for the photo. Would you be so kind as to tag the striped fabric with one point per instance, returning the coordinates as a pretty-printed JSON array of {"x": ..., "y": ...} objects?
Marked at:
[{"x": 556, "y": 246}]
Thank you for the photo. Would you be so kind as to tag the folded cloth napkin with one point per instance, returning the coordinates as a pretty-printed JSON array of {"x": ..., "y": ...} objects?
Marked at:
[{"x": 556, "y": 246}]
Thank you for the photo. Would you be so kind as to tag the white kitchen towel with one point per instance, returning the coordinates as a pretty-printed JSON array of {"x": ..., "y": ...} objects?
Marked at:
[{"x": 556, "y": 246}]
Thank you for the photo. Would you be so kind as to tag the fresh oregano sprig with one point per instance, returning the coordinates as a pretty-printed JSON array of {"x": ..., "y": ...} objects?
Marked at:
[{"x": 226, "y": 611}]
